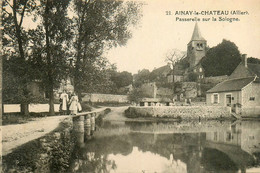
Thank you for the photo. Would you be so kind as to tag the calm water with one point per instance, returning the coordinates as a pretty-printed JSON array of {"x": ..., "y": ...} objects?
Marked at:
[
  {"x": 192, "y": 147},
  {"x": 143, "y": 147}
]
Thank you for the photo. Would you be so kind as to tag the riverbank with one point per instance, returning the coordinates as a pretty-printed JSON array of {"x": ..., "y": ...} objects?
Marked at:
[
  {"x": 179, "y": 112},
  {"x": 19, "y": 134},
  {"x": 16, "y": 135}
]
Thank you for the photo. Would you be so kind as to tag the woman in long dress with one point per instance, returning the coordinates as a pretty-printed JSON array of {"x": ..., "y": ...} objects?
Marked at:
[
  {"x": 74, "y": 104},
  {"x": 64, "y": 101}
]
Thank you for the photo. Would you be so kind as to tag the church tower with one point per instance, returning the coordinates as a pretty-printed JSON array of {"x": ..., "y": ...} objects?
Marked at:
[{"x": 196, "y": 48}]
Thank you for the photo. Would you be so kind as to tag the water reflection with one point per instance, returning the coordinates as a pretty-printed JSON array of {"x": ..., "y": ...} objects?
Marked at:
[{"x": 168, "y": 147}]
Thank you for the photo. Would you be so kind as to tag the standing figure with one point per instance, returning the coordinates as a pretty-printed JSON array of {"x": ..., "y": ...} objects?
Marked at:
[
  {"x": 74, "y": 104},
  {"x": 64, "y": 98}
]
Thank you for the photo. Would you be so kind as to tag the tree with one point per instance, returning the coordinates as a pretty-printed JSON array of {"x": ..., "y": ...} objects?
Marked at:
[
  {"x": 15, "y": 47},
  {"x": 253, "y": 60},
  {"x": 221, "y": 59},
  {"x": 193, "y": 77},
  {"x": 99, "y": 25},
  {"x": 121, "y": 79},
  {"x": 136, "y": 95},
  {"x": 141, "y": 77},
  {"x": 174, "y": 55},
  {"x": 54, "y": 31}
]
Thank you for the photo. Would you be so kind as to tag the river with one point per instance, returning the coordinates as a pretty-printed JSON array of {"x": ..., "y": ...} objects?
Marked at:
[{"x": 118, "y": 144}]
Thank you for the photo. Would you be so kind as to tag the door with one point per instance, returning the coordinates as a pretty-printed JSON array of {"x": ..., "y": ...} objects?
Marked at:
[{"x": 228, "y": 100}]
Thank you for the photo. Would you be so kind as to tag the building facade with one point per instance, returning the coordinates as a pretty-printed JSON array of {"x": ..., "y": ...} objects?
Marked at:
[{"x": 241, "y": 91}]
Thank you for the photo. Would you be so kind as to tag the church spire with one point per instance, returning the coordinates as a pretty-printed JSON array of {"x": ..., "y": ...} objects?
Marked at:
[{"x": 196, "y": 33}]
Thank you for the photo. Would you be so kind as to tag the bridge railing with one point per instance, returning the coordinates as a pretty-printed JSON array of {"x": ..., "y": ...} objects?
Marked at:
[{"x": 86, "y": 120}]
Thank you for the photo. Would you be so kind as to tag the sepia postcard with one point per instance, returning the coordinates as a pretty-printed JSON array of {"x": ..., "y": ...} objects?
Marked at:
[{"x": 111, "y": 86}]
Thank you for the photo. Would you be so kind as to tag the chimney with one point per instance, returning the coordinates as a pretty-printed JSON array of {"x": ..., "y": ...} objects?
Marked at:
[{"x": 244, "y": 59}]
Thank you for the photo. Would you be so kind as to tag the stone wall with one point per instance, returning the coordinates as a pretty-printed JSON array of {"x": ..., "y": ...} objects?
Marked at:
[
  {"x": 251, "y": 112},
  {"x": 182, "y": 112},
  {"x": 12, "y": 108},
  {"x": 101, "y": 98}
]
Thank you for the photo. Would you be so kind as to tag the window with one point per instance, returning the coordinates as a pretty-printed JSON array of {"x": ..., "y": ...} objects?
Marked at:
[
  {"x": 252, "y": 99},
  {"x": 199, "y": 46},
  {"x": 200, "y": 69},
  {"x": 215, "y": 98},
  {"x": 229, "y": 136}
]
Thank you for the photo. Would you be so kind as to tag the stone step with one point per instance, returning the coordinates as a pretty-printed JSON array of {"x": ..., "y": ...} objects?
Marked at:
[{"x": 237, "y": 116}]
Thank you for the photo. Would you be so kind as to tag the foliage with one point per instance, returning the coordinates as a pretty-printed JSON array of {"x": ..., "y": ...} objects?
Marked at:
[
  {"x": 141, "y": 77},
  {"x": 121, "y": 79},
  {"x": 16, "y": 65},
  {"x": 221, "y": 59},
  {"x": 136, "y": 95},
  {"x": 193, "y": 77},
  {"x": 253, "y": 60},
  {"x": 98, "y": 26},
  {"x": 59, "y": 45},
  {"x": 205, "y": 87},
  {"x": 183, "y": 63}
]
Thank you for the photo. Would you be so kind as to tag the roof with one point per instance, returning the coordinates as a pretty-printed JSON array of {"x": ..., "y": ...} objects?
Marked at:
[
  {"x": 196, "y": 33},
  {"x": 255, "y": 68},
  {"x": 150, "y": 99},
  {"x": 164, "y": 69},
  {"x": 231, "y": 85},
  {"x": 160, "y": 100}
]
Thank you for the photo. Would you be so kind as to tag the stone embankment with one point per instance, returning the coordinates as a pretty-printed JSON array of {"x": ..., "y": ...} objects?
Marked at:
[{"x": 180, "y": 112}]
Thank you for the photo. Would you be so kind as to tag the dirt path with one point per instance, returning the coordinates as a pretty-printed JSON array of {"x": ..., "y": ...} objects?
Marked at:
[{"x": 18, "y": 134}]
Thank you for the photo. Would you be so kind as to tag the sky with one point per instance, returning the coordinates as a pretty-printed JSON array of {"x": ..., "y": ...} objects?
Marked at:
[{"x": 158, "y": 33}]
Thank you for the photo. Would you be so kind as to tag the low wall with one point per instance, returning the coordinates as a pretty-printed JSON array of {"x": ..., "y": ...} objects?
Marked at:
[
  {"x": 183, "y": 112},
  {"x": 12, "y": 108},
  {"x": 100, "y": 98},
  {"x": 251, "y": 112}
]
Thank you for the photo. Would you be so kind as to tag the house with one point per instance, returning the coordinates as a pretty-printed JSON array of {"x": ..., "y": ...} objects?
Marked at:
[
  {"x": 245, "y": 69},
  {"x": 241, "y": 91},
  {"x": 199, "y": 70},
  {"x": 161, "y": 72}
]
